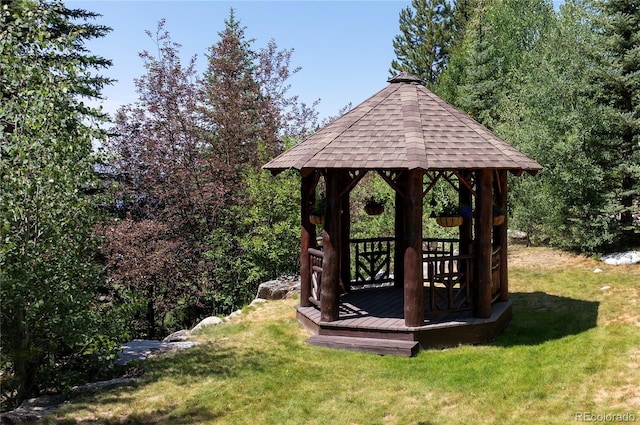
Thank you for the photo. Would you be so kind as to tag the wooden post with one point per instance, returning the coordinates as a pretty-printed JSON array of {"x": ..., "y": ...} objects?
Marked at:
[
  {"x": 307, "y": 237},
  {"x": 484, "y": 226},
  {"x": 398, "y": 253},
  {"x": 466, "y": 230},
  {"x": 413, "y": 285},
  {"x": 465, "y": 197},
  {"x": 500, "y": 234},
  {"x": 331, "y": 236},
  {"x": 345, "y": 249}
]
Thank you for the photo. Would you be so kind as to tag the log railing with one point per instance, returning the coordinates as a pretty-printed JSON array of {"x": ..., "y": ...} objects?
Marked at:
[
  {"x": 495, "y": 273},
  {"x": 447, "y": 274},
  {"x": 316, "y": 256},
  {"x": 371, "y": 261}
]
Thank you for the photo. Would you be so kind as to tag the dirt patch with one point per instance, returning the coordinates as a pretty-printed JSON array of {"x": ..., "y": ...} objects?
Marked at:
[{"x": 546, "y": 258}]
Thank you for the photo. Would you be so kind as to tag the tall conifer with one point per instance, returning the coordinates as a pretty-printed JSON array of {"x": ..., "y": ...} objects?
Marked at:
[
  {"x": 422, "y": 48},
  {"x": 616, "y": 88}
]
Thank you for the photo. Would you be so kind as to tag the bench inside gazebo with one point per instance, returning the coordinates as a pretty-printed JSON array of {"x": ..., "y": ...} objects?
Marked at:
[{"x": 395, "y": 295}]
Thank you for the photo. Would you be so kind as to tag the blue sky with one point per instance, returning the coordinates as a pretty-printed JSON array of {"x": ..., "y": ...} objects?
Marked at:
[{"x": 344, "y": 47}]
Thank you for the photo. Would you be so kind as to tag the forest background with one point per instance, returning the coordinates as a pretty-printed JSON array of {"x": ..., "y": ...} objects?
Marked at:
[{"x": 173, "y": 219}]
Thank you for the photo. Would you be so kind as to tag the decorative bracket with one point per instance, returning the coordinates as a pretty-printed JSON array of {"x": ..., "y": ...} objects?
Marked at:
[{"x": 392, "y": 177}]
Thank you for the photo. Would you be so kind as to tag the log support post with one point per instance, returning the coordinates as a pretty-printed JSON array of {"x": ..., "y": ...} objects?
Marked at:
[
  {"x": 307, "y": 237},
  {"x": 484, "y": 227},
  {"x": 500, "y": 233},
  {"x": 331, "y": 241},
  {"x": 413, "y": 284},
  {"x": 345, "y": 251},
  {"x": 398, "y": 253},
  {"x": 466, "y": 229}
]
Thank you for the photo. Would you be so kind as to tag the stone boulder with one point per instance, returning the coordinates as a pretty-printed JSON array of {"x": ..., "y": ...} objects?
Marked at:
[
  {"x": 622, "y": 258},
  {"x": 517, "y": 237},
  {"x": 283, "y": 287},
  {"x": 141, "y": 349},
  {"x": 207, "y": 321},
  {"x": 182, "y": 335}
]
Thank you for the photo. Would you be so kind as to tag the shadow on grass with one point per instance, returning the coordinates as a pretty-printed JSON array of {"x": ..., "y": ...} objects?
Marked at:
[
  {"x": 197, "y": 364},
  {"x": 539, "y": 317},
  {"x": 160, "y": 416}
]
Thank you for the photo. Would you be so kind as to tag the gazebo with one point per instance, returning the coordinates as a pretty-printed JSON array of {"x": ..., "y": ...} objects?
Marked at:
[{"x": 395, "y": 295}]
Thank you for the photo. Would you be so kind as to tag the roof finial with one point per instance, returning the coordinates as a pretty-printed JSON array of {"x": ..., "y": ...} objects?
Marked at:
[{"x": 405, "y": 77}]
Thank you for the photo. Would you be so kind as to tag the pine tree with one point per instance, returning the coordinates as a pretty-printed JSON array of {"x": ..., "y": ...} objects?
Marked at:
[
  {"x": 423, "y": 47},
  {"x": 234, "y": 106},
  {"x": 616, "y": 88},
  {"x": 463, "y": 11},
  {"x": 499, "y": 36},
  {"x": 480, "y": 95}
]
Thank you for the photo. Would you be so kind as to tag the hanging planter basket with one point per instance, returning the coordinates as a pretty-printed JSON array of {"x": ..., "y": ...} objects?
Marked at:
[
  {"x": 498, "y": 220},
  {"x": 318, "y": 220},
  {"x": 449, "y": 221},
  {"x": 374, "y": 209}
]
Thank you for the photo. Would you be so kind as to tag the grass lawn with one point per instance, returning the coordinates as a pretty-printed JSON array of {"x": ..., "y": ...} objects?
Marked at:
[{"x": 573, "y": 346}]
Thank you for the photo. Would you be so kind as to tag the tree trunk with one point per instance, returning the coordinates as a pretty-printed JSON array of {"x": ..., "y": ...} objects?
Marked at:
[
  {"x": 26, "y": 362},
  {"x": 151, "y": 314},
  {"x": 629, "y": 236}
]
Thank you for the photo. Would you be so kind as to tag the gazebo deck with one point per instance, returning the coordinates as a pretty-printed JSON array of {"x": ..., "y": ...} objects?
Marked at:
[{"x": 375, "y": 317}]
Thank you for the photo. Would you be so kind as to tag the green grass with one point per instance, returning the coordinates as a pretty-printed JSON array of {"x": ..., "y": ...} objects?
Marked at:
[{"x": 571, "y": 347}]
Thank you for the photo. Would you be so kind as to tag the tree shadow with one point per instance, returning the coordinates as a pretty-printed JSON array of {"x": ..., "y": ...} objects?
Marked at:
[
  {"x": 208, "y": 360},
  {"x": 539, "y": 317}
]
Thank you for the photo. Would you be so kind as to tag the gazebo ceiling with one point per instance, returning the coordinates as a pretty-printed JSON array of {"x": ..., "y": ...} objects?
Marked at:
[{"x": 404, "y": 126}]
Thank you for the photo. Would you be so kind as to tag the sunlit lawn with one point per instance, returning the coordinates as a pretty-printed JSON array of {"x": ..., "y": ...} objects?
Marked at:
[{"x": 573, "y": 346}]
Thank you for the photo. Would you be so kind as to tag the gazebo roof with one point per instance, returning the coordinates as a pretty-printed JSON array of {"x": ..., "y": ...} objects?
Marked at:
[{"x": 404, "y": 126}]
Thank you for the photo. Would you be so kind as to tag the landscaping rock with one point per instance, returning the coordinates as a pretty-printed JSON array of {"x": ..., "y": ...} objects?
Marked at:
[
  {"x": 182, "y": 335},
  {"x": 207, "y": 321},
  {"x": 621, "y": 258},
  {"x": 140, "y": 349},
  {"x": 517, "y": 236},
  {"x": 279, "y": 289},
  {"x": 31, "y": 411},
  {"x": 234, "y": 314}
]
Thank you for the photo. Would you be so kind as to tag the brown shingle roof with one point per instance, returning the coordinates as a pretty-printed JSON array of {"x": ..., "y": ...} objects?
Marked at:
[{"x": 404, "y": 126}]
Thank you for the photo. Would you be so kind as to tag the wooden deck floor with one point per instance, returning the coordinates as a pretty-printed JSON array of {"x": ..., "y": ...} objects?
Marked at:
[{"x": 379, "y": 313}]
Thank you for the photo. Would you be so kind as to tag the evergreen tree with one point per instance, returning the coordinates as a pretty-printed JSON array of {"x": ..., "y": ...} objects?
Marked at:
[
  {"x": 499, "y": 36},
  {"x": 233, "y": 103},
  {"x": 426, "y": 36},
  {"x": 484, "y": 84},
  {"x": 463, "y": 11},
  {"x": 48, "y": 281},
  {"x": 615, "y": 85}
]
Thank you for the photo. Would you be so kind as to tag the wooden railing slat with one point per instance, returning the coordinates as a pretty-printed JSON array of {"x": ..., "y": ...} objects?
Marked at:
[{"x": 448, "y": 273}]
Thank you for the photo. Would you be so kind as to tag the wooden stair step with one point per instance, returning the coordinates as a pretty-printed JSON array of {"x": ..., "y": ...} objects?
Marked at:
[{"x": 369, "y": 345}]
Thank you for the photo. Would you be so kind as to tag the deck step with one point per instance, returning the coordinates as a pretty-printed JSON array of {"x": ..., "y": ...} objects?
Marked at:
[{"x": 369, "y": 345}]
